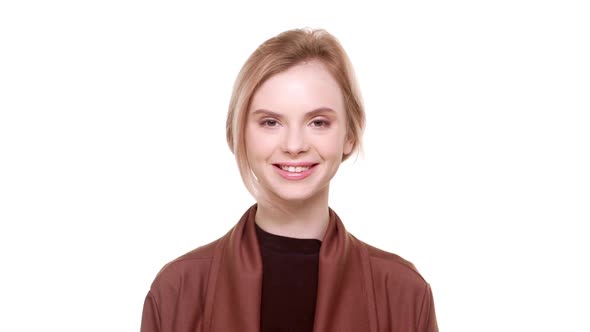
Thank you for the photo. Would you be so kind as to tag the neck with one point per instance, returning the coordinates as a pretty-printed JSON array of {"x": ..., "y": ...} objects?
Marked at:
[{"x": 303, "y": 220}]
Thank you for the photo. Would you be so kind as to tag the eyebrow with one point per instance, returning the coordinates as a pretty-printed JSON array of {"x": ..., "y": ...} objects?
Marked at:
[{"x": 308, "y": 114}]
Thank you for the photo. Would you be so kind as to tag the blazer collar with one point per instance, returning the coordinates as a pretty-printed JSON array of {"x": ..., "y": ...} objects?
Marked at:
[{"x": 344, "y": 302}]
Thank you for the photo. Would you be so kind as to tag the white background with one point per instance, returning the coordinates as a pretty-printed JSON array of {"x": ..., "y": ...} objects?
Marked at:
[{"x": 113, "y": 158}]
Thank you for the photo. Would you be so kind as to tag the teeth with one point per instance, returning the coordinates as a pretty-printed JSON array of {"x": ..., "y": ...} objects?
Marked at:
[{"x": 294, "y": 169}]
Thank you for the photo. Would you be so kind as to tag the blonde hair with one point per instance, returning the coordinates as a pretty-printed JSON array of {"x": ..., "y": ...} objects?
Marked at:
[{"x": 276, "y": 55}]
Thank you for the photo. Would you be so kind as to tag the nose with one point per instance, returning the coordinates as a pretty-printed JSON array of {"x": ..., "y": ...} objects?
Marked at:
[{"x": 294, "y": 141}]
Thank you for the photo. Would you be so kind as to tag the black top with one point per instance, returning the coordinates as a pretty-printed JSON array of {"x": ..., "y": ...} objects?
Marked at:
[{"x": 289, "y": 282}]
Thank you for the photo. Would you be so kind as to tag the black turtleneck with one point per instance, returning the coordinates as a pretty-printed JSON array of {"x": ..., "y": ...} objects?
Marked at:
[{"x": 289, "y": 282}]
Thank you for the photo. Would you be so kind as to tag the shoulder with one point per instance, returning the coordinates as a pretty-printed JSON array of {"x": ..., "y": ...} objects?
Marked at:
[
  {"x": 202, "y": 253},
  {"x": 400, "y": 291},
  {"x": 393, "y": 267},
  {"x": 402, "y": 296},
  {"x": 191, "y": 267},
  {"x": 178, "y": 293}
]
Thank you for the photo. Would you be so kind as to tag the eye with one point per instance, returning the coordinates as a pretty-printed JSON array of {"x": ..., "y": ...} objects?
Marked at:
[
  {"x": 320, "y": 123},
  {"x": 269, "y": 123}
]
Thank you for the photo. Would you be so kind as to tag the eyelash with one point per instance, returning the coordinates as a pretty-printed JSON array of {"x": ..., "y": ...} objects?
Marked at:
[
  {"x": 324, "y": 123},
  {"x": 266, "y": 123}
]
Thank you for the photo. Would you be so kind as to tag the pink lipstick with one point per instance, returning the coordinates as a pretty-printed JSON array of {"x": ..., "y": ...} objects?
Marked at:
[{"x": 295, "y": 171}]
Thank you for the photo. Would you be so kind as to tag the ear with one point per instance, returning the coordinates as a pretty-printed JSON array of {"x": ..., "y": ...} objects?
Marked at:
[{"x": 348, "y": 146}]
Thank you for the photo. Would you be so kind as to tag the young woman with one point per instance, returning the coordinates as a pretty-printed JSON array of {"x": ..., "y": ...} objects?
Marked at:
[{"x": 289, "y": 264}]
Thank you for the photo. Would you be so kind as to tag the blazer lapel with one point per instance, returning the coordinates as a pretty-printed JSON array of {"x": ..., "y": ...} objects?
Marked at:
[
  {"x": 235, "y": 282},
  {"x": 344, "y": 302}
]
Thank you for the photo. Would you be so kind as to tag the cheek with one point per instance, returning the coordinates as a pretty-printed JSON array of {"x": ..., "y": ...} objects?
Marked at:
[
  {"x": 331, "y": 147},
  {"x": 257, "y": 145}
]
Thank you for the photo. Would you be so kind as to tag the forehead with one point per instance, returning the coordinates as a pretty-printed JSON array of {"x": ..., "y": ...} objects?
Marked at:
[{"x": 301, "y": 88}]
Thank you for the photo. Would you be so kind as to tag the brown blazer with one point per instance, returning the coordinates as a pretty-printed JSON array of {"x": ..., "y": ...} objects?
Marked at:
[{"x": 217, "y": 287}]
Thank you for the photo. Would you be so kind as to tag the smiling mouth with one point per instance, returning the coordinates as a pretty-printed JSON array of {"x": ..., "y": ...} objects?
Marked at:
[{"x": 294, "y": 169}]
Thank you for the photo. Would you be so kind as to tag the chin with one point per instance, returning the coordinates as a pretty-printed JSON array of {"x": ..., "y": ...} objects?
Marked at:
[
  {"x": 296, "y": 192},
  {"x": 295, "y": 195},
  {"x": 298, "y": 199}
]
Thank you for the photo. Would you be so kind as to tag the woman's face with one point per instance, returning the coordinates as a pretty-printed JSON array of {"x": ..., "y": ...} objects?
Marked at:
[{"x": 296, "y": 133}]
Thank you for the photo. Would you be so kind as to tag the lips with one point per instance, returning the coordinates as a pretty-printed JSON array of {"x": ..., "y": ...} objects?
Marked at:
[
  {"x": 295, "y": 171},
  {"x": 295, "y": 167}
]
